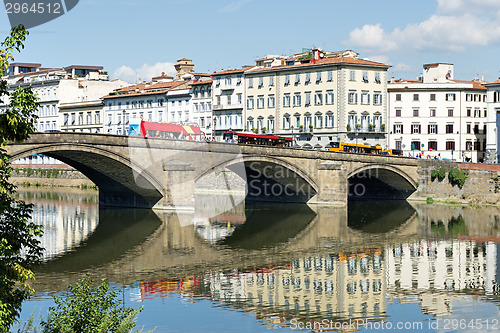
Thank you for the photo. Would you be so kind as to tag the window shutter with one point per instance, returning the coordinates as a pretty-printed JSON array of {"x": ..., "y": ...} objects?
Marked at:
[
  {"x": 428, "y": 129},
  {"x": 402, "y": 129},
  {"x": 436, "y": 129},
  {"x": 419, "y": 128}
]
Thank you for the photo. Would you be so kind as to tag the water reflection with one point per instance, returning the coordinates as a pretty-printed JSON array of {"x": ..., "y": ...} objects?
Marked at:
[{"x": 293, "y": 262}]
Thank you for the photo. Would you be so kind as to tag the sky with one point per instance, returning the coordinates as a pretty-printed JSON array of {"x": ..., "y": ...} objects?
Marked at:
[{"x": 137, "y": 39}]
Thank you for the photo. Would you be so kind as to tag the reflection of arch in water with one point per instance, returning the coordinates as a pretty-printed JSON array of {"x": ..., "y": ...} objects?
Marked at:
[
  {"x": 378, "y": 217},
  {"x": 269, "y": 226},
  {"x": 118, "y": 231}
]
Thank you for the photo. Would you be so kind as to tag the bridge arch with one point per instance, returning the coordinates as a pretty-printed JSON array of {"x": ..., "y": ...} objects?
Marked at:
[
  {"x": 270, "y": 178},
  {"x": 380, "y": 181},
  {"x": 121, "y": 182}
]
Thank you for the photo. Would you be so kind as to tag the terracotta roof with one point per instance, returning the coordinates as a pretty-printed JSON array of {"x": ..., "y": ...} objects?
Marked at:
[
  {"x": 160, "y": 85},
  {"x": 139, "y": 86},
  {"x": 201, "y": 74},
  {"x": 202, "y": 82},
  {"x": 325, "y": 61},
  {"x": 184, "y": 59},
  {"x": 475, "y": 84},
  {"x": 143, "y": 93},
  {"x": 39, "y": 72},
  {"x": 494, "y": 82},
  {"x": 230, "y": 71}
]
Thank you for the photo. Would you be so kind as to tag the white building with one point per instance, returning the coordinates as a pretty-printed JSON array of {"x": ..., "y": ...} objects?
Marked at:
[
  {"x": 228, "y": 102},
  {"x": 492, "y": 134},
  {"x": 56, "y": 87},
  {"x": 201, "y": 95},
  {"x": 438, "y": 116}
]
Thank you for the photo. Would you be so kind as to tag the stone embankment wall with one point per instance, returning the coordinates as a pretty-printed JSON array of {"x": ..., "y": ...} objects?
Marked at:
[
  {"x": 50, "y": 177},
  {"x": 482, "y": 185}
]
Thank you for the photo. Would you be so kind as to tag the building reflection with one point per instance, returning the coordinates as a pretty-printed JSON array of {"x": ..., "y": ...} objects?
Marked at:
[{"x": 67, "y": 218}]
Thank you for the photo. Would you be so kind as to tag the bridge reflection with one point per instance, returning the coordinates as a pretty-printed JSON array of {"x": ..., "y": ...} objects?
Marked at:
[{"x": 306, "y": 262}]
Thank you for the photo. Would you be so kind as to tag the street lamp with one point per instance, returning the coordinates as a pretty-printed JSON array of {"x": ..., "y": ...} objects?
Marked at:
[{"x": 123, "y": 119}]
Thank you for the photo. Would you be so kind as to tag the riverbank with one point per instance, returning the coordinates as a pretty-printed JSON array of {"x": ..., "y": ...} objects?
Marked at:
[{"x": 28, "y": 177}]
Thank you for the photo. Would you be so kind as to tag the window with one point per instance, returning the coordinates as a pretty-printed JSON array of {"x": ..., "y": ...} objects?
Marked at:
[
  {"x": 297, "y": 100},
  {"x": 450, "y": 145},
  {"x": 270, "y": 101},
  {"x": 330, "y": 76},
  {"x": 329, "y": 97},
  {"x": 297, "y": 78},
  {"x": 398, "y": 128},
  {"x": 449, "y": 128},
  {"x": 433, "y": 97},
  {"x": 229, "y": 100},
  {"x": 450, "y": 97},
  {"x": 365, "y": 76},
  {"x": 432, "y": 129},
  {"x": 238, "y": 81},
  {"x": 318, "y": 77},
  {"x": 318, "y": 98},
  {"x": 377, "y": 98},
  {"x": 415, "y": 112},
  {"x": 398, "y": 97},
  {"x": 308, "y": 78},
  {"x": 432, "y": 112},
  {"x": 287, "y": 79},
  {"x": 352, "y": 97},
  {"x": 218, "y": 100},
  {"x": 352, "y": 75},
  {"x": 66, "y": 119},
  {"x": 250, "y": 82},
  {"x": 415, "y": 97},
  {"x": 450, "y": 112},
  {"x": 89, "y": 118},
  {"x": 432, "y": 145},
  {"x": 477, "y": 113},
  {"x": 415, "y": 129},
  {"x": 286, "y": 123},
  {"x": 377, "y": 77},
  {"x": 329, "y": 120},
  {"x": 240, "y": 99},
  {"x": 261, "y": 81},
  {"x": 286, "y": 100},
  {"x": 80, "y": 118},
  {"x": 271, "y": 81},
  {"x": 308, "y": 99},
  {"x": 415, "y": 145},
  {"x": 398, "y": 144},
  {"x": 250, "y": 102},
  {"x": 468, "y": 145},
  {"x": 318, "y": 121},
  {"x": 217, "y": 82},
  {"x": 228, "y": 80},
  {"x": 365, "y": 98},
  {"x": 398, "y": 113}
]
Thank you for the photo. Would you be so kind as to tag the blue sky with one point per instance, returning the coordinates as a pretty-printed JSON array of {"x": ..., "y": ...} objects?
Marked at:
[{"x": 138, "y": 39}]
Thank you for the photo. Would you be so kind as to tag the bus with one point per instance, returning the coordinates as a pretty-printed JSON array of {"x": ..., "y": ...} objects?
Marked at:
[
  {"x": 257, "y": 139},
  {"x": 354, "y": 148},
  {"x": 138, "y": 127},
  {"x": 392, "y": 152}
]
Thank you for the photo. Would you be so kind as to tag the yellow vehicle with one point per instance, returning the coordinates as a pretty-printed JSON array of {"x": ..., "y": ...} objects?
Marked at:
[
  {"x": 392, "y": 152},
  {"x": 355, "y": 148}
]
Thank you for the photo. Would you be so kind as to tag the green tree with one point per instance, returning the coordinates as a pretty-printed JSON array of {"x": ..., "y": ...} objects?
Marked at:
[
  {"x": 19, "y": 246},
  {"x": 90, "y": 309}
]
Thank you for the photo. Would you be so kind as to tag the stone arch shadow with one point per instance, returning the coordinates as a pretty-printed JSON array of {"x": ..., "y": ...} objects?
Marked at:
[
  {"x": 270, "y": 179},
  {"x": 378, "y": 181},
  {"x": 121, "y": 182}
]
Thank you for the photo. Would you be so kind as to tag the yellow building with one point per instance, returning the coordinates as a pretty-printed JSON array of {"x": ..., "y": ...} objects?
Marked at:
[{"x": 318, "y": 97}]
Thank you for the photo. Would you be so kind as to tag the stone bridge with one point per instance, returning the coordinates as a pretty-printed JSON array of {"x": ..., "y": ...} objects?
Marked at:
[{"x": 159, "y": 173}]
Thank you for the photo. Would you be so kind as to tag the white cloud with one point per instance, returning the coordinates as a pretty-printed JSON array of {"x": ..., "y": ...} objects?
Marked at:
[
  {"x": 403, "y": 68},
  {"x": 144, "y": 73},
  {"x": 234, "y": 6},
  {"x": 439, "y": 32}
]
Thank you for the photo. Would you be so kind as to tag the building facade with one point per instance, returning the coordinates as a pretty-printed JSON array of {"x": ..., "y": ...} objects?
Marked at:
[
  {"x": 493, "y": 119},
  {"x": 228, "y": 102},
  {"x": 318, "y": 97},
  {"x": 201, "y": 94},
  {"x": 436, "y": 116}
]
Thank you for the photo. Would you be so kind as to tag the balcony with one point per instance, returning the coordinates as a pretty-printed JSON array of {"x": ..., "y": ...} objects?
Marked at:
[{"x": 219, "y": 107}]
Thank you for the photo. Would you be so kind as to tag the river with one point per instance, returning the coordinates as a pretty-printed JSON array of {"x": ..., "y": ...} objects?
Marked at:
[{"x": 372, "y": 266}]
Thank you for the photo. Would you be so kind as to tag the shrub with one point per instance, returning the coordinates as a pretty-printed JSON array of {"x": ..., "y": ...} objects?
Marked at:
[
  {"x": 90, "y": 309},
  {"x": 457, "y": 177},
  {"x": 441, "y": 174},
  {"x": 434, "y": 174},
  {"x": 430, "y": 200}
]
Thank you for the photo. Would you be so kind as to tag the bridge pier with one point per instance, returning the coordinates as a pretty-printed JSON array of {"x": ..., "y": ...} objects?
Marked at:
[
  {"x": 179, "y": 186},
  {"x": 333, "y": 185}
]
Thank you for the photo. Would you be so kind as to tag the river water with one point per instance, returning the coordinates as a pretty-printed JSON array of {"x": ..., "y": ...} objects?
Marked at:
[{"x": 370, "y": 267}]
